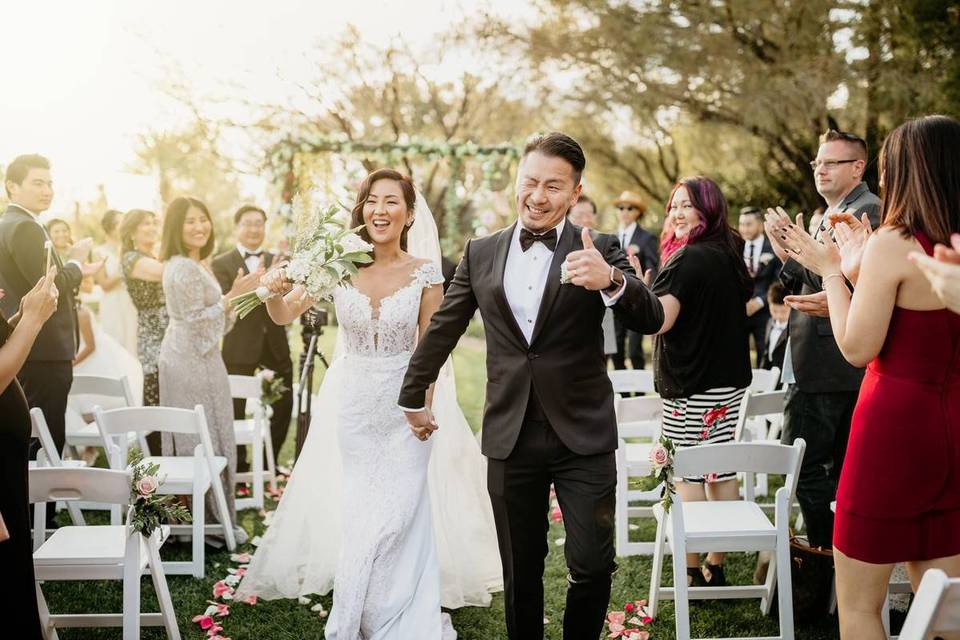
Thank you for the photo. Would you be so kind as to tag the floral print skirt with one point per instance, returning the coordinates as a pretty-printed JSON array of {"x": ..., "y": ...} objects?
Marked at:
[{"x": 703, "y": 418}]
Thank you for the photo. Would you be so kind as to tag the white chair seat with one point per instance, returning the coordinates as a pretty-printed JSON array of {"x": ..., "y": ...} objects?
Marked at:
[
  {"x": 743, "y": 524},
  {"x": 89, "y": 545},
  {"x": 178, "y": 472}
]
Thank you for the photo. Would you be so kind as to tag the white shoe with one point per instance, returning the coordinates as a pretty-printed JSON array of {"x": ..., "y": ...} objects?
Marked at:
[{"x": 447, "y": 632}]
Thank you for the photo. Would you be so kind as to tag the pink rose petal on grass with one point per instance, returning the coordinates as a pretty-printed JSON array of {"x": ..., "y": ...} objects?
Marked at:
[
  {"x": 221, "y": 589},
  {"x": 214, "y": 630},
  {"x": 250, "y": 600},
  {"x": 205, "y": 622},
  {"x": 242, "y": 558},
  {"x": 222, "y": 609},
  {"x": 616, "y": 617}
]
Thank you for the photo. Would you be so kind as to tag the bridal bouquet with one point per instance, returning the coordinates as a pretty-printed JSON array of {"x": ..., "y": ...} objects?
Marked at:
[{"x": 325, "y": 256}]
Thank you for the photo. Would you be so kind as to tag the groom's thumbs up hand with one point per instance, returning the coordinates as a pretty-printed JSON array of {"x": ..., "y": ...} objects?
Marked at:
[{"x": 587, "y": 268}]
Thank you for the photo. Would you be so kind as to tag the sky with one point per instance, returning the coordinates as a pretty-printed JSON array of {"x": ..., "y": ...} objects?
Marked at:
[{"x": 82, "y": 78}]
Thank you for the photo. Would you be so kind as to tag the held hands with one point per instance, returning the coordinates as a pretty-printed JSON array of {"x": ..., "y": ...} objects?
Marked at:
[
  {"x": 587, "y": 268},
  {"x": 422, "y": 423}
]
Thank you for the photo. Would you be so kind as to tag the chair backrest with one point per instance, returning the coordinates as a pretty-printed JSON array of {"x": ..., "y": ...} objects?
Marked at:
[
  {"x": 116, "y": 423},
  {"x": 765, "y": 379},
  {"x": 748, "y": 457},
  {"x": 249, "y": 387},
  {"x": 768, "y": 404},
  {"x": 632, "y": 381},
  {"x": 48, "y": 484},
  {"x": 935, "y": 609},
  {"x": 639, "y": 416},
  {"x": 104, "y": 387},
  {"x": 40, "y": 430}
]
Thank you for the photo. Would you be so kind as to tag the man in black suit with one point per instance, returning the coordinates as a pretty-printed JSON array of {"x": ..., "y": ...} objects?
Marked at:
[
  {"x": 764, "y": 266},
  {"x": 48, "y": 372},
  {"x": 823, "y": 385},
  {"x": 255, "y": 341},
  {"x": 635, "y": 240},
  {"x": 549, "y": 403}
]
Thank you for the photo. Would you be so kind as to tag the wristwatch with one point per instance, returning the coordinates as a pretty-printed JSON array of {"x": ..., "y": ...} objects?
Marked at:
[{"x": 616, "y": 280}]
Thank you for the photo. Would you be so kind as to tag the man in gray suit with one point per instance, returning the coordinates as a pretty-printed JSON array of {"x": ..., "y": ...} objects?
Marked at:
[{"x": 824, "y": 386}]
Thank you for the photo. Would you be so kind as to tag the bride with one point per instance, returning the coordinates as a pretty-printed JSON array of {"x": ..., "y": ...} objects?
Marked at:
[{"x": 394, "y": 532}]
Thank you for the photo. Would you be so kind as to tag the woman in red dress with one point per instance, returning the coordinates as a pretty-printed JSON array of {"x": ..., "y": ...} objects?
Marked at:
[{"x": 899, "y": 493}]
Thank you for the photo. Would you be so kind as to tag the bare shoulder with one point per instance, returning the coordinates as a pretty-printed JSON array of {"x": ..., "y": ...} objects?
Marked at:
[{"x": 891, "y": 240}]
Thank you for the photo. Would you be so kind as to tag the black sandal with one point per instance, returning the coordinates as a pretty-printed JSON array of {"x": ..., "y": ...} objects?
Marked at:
[
  {"x": 717, "y": 577},
  {"x": 696, "y": 576}
]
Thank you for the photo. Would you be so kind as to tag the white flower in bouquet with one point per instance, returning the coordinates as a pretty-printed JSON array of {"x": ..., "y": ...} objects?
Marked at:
[{"x": 325, "y": 256}]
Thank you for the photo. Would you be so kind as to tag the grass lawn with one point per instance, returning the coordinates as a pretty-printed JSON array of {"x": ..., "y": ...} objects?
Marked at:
[{"x": 288, "y": 620}]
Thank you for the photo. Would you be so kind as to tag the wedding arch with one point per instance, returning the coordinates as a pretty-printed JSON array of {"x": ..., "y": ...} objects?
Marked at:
[{"x": 459, "y": 161}]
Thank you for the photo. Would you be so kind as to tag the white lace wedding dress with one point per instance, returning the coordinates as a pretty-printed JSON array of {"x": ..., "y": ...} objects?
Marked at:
[{"x": 367, "y": 522}]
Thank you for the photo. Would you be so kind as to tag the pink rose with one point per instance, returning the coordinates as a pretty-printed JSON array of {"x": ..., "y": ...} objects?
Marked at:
[
  {"x": 147, "y": 485},
  {"x": 267, "y": 374},
  {"x": 556, "y": 515},
  {"x": 628, "y": 608},
  {"x": 711, "y": 477},
  {"x": 659, "y": 455},
  {"x": 647, "y": 620}
]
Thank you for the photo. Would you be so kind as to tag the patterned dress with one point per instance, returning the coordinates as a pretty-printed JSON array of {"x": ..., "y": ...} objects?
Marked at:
[
  {"x": 151, "y": 324},
  {"x": 191, "y": 367}
]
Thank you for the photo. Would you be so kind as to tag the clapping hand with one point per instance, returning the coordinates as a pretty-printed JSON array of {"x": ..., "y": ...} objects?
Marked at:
[
  {"x": 773, "y": 224},
  {"x": 851, "y": 236},
  {"x": 245, "y": 283},
  {"x": 820, "y": 256},
  {"x": 422, "y": 423},
  {"x": 943, "y": 271},
  {"x": 587, "y": 268}
]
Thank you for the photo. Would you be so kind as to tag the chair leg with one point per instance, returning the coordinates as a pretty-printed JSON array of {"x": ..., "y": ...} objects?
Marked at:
[
  {"x": 76, "y": 516},
  {"x": 681, "y": 600},
  {"x": 199, "y": 516},
  {"x": 766, "y": 602},
  {"x": 131, "y": 595},
  {"x": 226, "y": 521},
  {"x": 163, "y": 592},
  {"x": 271, "y": 465},
  {"x": 656, "y": 573},
  {"x": 784, "y": 582},
  {"x": 257, "y": 468},
  {"x": 49, "y": 631}
]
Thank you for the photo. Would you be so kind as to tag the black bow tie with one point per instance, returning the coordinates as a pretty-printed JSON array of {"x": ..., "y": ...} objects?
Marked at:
[
  {"x": 549, "y": 239},
  {"x": 252, "y": 254}
]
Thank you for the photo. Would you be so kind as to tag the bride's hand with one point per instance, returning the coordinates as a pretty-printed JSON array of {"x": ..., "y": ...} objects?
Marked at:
[
  {"x": 422, "y": 423},
  {"x": 276, "y": 281}
]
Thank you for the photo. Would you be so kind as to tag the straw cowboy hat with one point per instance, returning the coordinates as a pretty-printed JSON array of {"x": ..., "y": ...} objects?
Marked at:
[{"x": 633, "y": 199}]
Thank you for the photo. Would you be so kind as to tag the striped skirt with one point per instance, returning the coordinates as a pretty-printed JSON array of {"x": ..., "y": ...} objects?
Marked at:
[{"x": 703, "y": 418}]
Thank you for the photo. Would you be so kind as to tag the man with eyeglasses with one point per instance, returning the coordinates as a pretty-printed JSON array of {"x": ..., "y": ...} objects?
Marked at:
[
  {"x": 255, "y": 341},
  {"x": 635, "y": 240},
  {"x": 823, "y": 385}
]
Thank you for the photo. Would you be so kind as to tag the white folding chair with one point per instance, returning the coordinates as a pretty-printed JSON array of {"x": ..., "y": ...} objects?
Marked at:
[
  {"x": 760, "y": 419},
  {"x": 183, "y": 475},
  {"x": 631, "y": 381},
  {"x": 638, "y": 418},
  {"x": 48, "y": 456},
  {"x": 88, "y": 391},
  {"x": 765, "y": 379},
  {"x": 729, "y": 526},
  {"x": 98, "y": 553},
  {"x": 935, "y": 609},
  {"x": 253, "y": 432}
]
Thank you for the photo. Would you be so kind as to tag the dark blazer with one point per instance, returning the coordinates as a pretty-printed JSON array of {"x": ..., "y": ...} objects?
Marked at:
[
  {"x": 564, "y": 362},
  {"x": 648, "y": 249},
  {"x": 22, "y": 264},
  {"x": 818, "y": 365},
  {"x": 767, "y": 272},
  {"x": 768, "y": 360},
  {"x": 245, "y": 342}
]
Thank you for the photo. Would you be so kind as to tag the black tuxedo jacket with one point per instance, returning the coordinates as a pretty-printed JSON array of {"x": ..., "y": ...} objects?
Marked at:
[
  {"x": 22, "y": 264},
  {"x": 768, "y": 360},
  {"x": 563, "y": 364},
  {"x": 767, "y": 273},
  {"x": 244, "y": 343}
]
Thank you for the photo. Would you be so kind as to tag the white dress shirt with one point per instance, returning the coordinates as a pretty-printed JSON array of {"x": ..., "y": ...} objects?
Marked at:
[
  {"x": 252, "y": 262},
  {"x": 626, "y": 235},
  {"x": 757, "y": 250},
  {"x": 775, "y": 332}
]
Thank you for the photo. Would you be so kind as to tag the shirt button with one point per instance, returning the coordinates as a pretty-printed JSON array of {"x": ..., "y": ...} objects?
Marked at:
[
  {"x": 530, "y": 288},
  {"x": 529, "y": 321}
]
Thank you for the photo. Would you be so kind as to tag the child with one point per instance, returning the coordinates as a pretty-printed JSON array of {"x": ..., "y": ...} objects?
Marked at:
[{"x": 776, "y": 328}]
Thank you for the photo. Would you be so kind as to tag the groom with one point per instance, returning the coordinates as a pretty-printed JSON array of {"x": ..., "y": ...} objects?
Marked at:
[{"x": 549, "y": 410}]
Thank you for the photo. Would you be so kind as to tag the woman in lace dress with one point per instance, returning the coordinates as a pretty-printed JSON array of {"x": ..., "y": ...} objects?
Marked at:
[
  {"x": 191, "y": 368},
  {"x": 373, "y": 506}
]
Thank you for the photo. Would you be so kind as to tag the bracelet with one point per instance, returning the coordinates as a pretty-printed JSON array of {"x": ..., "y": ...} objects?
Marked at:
[{"x": 833, "y": 275}]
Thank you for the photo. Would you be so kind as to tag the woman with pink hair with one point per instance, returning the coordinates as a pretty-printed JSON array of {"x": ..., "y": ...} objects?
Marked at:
[{"x": 701, "y": 357}]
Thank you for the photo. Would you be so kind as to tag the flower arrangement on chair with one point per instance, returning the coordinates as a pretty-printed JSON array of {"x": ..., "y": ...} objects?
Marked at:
[
  {"x": 661, "y": 457},
  {"x": 149, "y": 509}
]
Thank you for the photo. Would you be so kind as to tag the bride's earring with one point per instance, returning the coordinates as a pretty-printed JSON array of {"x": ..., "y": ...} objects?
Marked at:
[{"x": 409, "y": 223}]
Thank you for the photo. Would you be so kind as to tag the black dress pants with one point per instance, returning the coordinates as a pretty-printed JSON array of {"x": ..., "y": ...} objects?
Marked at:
[
  {"x": 519, "y": 491},
  {"x": 823, "y": 421},
  {"x": 46, "y": 386},
  {"x": 282, "y": 408}
]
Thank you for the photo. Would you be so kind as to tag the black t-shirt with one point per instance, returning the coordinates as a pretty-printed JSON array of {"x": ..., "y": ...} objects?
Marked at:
[{"x": 707, "y": 347}]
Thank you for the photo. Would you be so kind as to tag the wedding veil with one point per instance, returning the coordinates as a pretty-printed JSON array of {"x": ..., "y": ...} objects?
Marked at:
[{"x": 299, "y": 552}]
